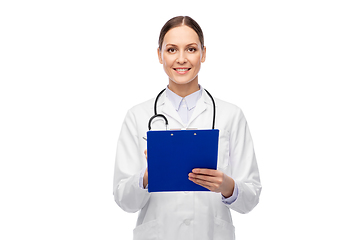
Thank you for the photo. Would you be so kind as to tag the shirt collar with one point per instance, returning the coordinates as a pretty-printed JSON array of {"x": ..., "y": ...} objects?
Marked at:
[{"x": 190, "y": 100}]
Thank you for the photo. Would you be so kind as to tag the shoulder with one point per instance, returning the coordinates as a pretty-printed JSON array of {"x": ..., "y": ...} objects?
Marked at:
[
  {"x": 148, "y": 104},
  {"x": 228, "y": 108},
  {"x": 230, "y": 116},
  {"x": 138, "y": 114},
  {"x": 139, "y": 111}
]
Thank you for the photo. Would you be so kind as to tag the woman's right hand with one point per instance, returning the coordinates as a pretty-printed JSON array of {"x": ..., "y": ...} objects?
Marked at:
[{"x": 145, "y": 179}]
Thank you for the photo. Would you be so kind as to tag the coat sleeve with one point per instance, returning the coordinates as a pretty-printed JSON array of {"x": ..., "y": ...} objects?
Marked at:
[
  {"x": 129, "y": 163},
  {"x": 244, "y": 169}
]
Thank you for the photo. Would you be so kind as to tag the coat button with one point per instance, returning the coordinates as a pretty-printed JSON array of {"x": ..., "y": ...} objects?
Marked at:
[{"x": 187, "y": 222}]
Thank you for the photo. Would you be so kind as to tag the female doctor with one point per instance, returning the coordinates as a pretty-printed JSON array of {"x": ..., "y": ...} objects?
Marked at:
[{"x": 234, "y": 185}]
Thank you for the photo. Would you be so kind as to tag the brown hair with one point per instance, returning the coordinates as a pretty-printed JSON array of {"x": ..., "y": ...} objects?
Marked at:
[{"x": 179, "y": 21}]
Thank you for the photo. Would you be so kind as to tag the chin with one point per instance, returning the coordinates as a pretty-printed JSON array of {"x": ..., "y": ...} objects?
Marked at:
[{"x": 182, "y": 81}]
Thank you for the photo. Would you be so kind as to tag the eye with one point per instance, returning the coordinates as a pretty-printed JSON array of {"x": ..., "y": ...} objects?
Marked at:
[
  {"x": 191, "y": 49},
  {"x": 171, "y": 50}
]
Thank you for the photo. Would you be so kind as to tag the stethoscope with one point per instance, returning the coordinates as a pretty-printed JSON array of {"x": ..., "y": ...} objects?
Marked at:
[{"x": 163, "y": 116}]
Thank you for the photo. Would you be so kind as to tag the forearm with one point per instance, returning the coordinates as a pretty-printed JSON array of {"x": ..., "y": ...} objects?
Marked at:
[
  {"x": 248, "y": 197},
  {"x": 229, "y": 185},
  {"x": 129, "y": 196}
]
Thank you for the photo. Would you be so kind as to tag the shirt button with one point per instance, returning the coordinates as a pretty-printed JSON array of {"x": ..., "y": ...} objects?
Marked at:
[{"x": 187, "y": 222}]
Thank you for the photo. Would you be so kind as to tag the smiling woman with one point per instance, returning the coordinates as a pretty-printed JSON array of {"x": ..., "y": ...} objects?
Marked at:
[{"x": 235, "y": 184}]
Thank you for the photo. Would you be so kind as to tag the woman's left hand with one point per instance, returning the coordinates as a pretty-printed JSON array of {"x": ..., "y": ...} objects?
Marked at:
[{"x": 214, "y": 180}]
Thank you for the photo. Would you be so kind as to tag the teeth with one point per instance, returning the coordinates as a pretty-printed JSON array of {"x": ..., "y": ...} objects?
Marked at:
[{"x": 182, "y": 69}]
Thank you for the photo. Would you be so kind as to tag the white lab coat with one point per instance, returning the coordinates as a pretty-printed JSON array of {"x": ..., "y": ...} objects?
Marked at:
[{"x": 186, "y": 215}]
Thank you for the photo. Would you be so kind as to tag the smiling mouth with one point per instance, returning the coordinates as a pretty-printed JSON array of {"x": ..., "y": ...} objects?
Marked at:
[{"x": 182, "y": 70}]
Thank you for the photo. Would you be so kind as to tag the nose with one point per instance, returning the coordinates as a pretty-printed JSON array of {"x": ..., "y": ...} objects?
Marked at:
[{"x": 182, "y": 58}]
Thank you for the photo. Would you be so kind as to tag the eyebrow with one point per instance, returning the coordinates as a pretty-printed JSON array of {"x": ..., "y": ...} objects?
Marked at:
[{"x": 171, "y": 44}]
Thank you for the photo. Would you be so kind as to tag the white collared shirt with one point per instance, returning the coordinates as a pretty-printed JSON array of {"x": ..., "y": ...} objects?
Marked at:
[{"x": 184, "y": 106}]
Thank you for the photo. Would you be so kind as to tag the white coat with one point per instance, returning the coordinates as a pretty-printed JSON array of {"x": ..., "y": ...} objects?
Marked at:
[{"x": 186, "y": 215}]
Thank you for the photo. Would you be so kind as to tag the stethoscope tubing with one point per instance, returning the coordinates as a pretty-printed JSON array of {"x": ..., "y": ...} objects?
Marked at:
[
  {"x": 163, "y": 116},
  {"x": 214, "y": 108}
]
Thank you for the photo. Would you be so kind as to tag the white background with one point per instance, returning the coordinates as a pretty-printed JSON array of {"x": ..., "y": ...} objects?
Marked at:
[{"x": 70, "y": 70}]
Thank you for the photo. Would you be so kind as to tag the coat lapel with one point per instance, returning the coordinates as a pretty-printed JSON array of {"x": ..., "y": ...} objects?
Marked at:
[
  {"x": 201, "y": 106},
  {"x": 168, "y": 109},
  {"x": 204, "y": 104}
]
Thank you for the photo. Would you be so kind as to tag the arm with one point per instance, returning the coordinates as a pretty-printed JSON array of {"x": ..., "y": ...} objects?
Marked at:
[
  {"x": 244, "y": 170},
  {"x": 129, "y": 164}
]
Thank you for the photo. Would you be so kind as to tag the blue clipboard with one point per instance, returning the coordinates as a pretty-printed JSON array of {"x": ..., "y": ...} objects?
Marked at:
[{"x": 173, "y": 154}]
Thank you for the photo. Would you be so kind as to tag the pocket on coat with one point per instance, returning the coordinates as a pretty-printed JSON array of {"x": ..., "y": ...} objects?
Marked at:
[
  {"x": 146, "y": 231},
  {"x": 223, "y": 230}
]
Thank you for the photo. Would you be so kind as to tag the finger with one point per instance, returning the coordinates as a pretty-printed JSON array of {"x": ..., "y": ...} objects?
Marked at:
[
  {"x": 205, "y": 171},
  {"x": 145, "y": 152},
  {"x": 204, "y": 184},
  {"x": 200, "y": 182},
  {"x": 206, "y": 178}
]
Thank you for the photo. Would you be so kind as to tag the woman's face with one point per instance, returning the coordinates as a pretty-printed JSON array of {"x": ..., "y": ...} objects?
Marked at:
[{"x": 181, "y": 54}]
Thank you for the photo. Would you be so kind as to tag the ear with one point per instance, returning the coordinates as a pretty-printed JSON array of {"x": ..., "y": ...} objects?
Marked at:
[
  {"x": 159, "y": 55},
  {"x": 203, "y": 55}
]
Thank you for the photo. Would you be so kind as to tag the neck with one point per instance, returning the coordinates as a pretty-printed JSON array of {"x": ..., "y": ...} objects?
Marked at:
[{"x": 184, "y": 90}]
